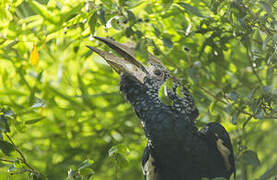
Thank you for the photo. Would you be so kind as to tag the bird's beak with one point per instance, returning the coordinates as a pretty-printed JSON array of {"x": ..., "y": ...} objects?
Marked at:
[{"x": 127, "y": 63}]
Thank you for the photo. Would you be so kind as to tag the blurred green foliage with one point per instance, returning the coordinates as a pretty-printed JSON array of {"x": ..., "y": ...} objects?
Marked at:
[{"x": 63, "y": 117}]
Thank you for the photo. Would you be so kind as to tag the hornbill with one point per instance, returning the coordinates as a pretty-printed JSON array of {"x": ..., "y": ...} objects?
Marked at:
[{"x": 175, "y": 149}]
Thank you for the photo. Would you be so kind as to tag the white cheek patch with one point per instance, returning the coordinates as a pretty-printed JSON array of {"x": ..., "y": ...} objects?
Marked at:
[
  {"x": 149, "y": 170},
  {"x": 225, "y": 153},
  {"x": 139, "y": 74}
]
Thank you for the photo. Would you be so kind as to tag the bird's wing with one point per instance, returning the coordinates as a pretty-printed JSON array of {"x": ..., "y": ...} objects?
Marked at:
[
  {"x": 150, "y": 172},
  {"x": 216, "y": 134}
]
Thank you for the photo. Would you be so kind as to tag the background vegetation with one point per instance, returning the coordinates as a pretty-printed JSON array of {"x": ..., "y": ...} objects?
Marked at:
[{"x": 61, "y": 113}]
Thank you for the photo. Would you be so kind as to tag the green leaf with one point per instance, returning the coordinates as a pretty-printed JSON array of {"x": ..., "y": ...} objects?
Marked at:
[
  {"x": 269, "y": 173},
  {"x": 250, "y": 158},
  {"x": 156, "y": 31},
  {"x": 86, "y": 172},
  {"x": 267, "y": 7},
  {"x": 70, "y": 174},
  {"x": 228, "y": 108},
  {"x": 131, "y": 17},
  {"x": 12, "y": 168},
  {"x": 6, "y": 147},
  {"x": 85, "y": 164},
  {"x": 163, "y": 92},
  {"x": 267, "y": 89},
  {"x": 133, "y": 3},
  {"x": 254, "y": 106},
  {"x": 118, "y": 155},
  {"x": 39, "y": 177},
  {"x": 167, "y": 3},
  {"x": 191, "y": 9},
  {"x": 141, "y": 50},
  {"x": 38, "y": 103},
  {"x": 115, "y": 22},
  {"x": 180, "y": 91},
  {"x": 235, "y": 117},
  {"x": 102, "y": 15},
  {"x": 44, "y": 12},
  {"x": 33, "y": 121},
  {"x": 92, "y": 22},
  {"x": 260, "y": 114},
  {"x": 13, "y": 92},
  {"x": 233, "y": 96},
  {"x": 5, "y": 115},
  {"x": 64, "y": 96},
  {"x": 20, "y": 126},
  {"x": 108, "y": 3},
  {"x": 167, "y": 42},
  {"x": 212, "y": 107},
  {"x": 74, "y": 11},
  {"x": 252, "y": 93}
]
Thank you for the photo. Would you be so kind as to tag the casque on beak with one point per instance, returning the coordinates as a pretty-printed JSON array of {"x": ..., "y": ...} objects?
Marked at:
[{"x": 127, "y": 63}]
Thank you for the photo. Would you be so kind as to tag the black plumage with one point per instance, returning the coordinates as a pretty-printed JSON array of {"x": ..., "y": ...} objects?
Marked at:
[{"x": 175, "y": 150}]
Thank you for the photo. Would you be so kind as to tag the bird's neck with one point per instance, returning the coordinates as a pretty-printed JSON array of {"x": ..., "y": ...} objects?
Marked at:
[
  {"x": 144, "y": 98},
  {"x": 148, "y": 101},
  {"x": 162, "y": 124}
]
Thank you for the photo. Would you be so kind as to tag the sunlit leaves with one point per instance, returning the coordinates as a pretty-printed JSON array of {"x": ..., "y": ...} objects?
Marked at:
[
  {"x": 44, "y": 12},
  {"x": 81, "y": 113}
]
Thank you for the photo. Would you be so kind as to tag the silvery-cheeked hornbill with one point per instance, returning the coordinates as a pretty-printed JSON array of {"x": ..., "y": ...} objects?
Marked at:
[{"x": 175, "y": 150}]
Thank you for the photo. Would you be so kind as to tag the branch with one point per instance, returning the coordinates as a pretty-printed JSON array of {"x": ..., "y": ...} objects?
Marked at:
[
  {"x": 6, "y": 160},
  {"x": 23, "y": 159},
  {"x": 214, "y": 96},
  {"x": 21, "y": 172},
  {"x": 245, "y": 123},
  {"x": 238, "y": 109}
]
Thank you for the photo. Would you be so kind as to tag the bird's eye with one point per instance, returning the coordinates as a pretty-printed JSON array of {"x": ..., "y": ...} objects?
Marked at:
[{"x": 157, "y": 72}]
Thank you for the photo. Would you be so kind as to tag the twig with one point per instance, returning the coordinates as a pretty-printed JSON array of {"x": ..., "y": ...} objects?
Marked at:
[
  {"x": 238, "y": 109},
  {"x": 211, "y": 94},
  {"x": 253, "y": 68},
  {"x": 245, "y": 123},
  {"x": 22, "y": 171},
  {"x": 6, "y": 160},
  {"x": 23, "y": 159}
]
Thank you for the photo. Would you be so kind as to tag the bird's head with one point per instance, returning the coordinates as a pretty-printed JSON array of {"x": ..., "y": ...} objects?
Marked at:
[
  {"x": 147, "y": 80},
  {"x": 152, "y": 75}
]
